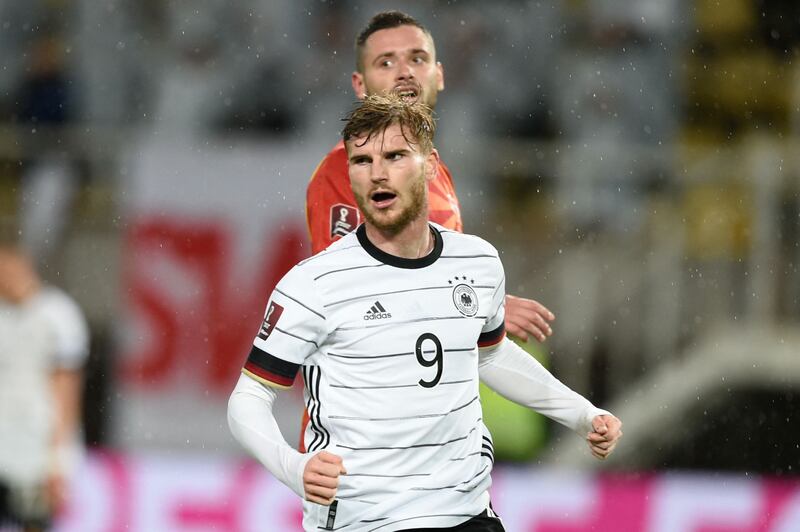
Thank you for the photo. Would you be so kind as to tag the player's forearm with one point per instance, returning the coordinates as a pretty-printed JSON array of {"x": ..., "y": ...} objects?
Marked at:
[
  {"x": 65, "y": 443},
  {"x": 253, "y": 425},
  {"x": 514, "y": 374}
]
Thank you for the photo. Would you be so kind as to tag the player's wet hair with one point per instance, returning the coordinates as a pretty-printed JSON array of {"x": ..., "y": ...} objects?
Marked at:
[
  {"x": 376, "y": 113},
  {"x": 385, "y": 20}
]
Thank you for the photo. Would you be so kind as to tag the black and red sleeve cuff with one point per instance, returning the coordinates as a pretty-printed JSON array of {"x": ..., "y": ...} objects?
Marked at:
[
  {"x": 270, "y": 369},
  {"x": 492, "y": 338}
]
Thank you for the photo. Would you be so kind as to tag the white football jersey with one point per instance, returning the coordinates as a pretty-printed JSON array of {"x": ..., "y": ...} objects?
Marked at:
[
  {"x": 46, "y": 332},
  {"x": 388, "y": 349}
]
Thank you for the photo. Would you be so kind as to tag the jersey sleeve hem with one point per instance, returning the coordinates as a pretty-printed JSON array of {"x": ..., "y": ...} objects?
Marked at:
[
  {"x": 492, "y": 338},
  {"x": 269, "y": 369},
  {"x": 266, "y": 382}
]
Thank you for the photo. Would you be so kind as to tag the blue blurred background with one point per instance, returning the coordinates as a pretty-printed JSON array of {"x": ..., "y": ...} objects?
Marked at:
[{"x": 635, "y": 161}]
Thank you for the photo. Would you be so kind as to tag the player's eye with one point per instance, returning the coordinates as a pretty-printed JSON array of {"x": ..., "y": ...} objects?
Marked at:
[
  {"x": 360, "y": 160},
  {"x": 394, "y": 156},
  {"x": 418, "y": 60},
  {"x": 386, "y": 63}
]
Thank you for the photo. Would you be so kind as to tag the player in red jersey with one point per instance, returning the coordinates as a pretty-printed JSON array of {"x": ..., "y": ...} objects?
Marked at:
[{"x": 395, "y": 53}]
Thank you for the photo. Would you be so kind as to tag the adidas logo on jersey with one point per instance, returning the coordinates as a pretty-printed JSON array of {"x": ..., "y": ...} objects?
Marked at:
[{"x": 377, "y": 312}]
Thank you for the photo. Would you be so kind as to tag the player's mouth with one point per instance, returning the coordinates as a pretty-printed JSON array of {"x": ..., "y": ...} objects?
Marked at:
[
  {"x": 407, "y": 92},
  {"x": 382, "y": 199}
]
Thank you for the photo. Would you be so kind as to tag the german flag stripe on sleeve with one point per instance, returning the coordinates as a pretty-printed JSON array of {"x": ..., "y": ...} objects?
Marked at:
[
  {"x": 488, "y": 339},
  {"x": 270, "y": 369}
]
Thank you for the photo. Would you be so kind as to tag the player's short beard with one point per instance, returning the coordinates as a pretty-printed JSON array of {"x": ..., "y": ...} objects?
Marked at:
[{"x": 396, "y": 224}]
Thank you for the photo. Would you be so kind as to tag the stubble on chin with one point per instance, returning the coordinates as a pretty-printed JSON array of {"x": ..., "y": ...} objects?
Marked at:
[{"x": 395, "y": 224}]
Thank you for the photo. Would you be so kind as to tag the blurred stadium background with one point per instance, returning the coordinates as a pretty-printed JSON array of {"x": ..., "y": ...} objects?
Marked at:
[{"x": 635, "y": 161}]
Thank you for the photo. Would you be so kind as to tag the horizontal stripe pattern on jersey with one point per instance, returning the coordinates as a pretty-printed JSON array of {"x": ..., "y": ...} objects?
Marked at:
[{"x": 389, "y": 356}]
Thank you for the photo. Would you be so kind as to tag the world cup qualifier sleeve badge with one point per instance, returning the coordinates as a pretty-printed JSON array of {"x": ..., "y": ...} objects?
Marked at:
[
  {"x": 344, "y": 219},
  {"x": 465, "y": 299},
  {"x": 272, "y": 316}
]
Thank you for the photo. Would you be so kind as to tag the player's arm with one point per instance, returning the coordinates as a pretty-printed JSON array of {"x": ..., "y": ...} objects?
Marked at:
[
  {"x": 289, "y": 334},
  {"x": 331, "y": 209},
  {"x": 510, "y": 371},
  {"x": 65, "y": 385},
  {"x": 526, "y": 317},
  {"x": 71, "y": 350},
  {"x": 250, "y": 418}
]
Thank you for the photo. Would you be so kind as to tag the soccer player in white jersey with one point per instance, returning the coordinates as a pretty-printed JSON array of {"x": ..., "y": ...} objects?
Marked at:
[
  {"x": 44, "y": 342},
  {"x": 392, "y": 326}
]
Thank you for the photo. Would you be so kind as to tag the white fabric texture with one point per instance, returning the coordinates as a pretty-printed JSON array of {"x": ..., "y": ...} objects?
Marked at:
[
  {"x": 253, "y": 424},
  {"x": 388, "y": 352},
  {"x": 68, "y": 325}
]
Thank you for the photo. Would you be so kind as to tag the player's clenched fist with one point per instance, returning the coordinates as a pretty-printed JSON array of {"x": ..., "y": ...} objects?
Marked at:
[
  {"x": 606, "y": 432},
  {"x": 321, "y": 477}
]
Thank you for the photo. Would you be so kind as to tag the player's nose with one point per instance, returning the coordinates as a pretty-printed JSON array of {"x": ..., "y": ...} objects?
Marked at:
[
  {"x": 404, "y": 71},
  {"x": 377, "y": 171}
]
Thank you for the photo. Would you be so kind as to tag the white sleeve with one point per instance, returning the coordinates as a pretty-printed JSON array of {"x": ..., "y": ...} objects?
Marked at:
[
  {"x": 294, "y": 327},
  {"x": 507, "y": 369},
  {"x": 69, "y": 327},
  {"x": 253, "y": 425},
  {"x": 497, "y": 313}
]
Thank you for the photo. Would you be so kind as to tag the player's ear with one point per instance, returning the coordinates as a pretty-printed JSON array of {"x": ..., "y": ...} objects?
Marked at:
[
  {"x": 359, "y": 87},
  {"x": 431, "y": 165},
  {"x": 439, "y": 76}
]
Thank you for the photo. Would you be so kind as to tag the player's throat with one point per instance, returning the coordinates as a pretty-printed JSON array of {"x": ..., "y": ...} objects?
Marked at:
[{"x": 415, "y": 241}]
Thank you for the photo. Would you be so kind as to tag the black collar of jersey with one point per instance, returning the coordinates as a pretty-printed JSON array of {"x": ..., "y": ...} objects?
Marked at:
[{"x": 401, "y": 262}]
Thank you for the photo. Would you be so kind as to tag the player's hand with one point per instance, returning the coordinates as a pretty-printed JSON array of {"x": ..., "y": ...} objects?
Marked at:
[
  {"x": 606, "y": 432},
  {"x": 321, "y": 477},
  {"x": 526, "y": 317}
]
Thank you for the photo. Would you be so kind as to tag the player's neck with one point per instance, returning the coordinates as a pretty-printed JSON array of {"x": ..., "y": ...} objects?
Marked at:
[{"x": 412, "y": 242}]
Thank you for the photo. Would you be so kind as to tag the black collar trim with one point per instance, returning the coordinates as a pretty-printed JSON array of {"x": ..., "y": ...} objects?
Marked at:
[{"x": 401, "y": 262}]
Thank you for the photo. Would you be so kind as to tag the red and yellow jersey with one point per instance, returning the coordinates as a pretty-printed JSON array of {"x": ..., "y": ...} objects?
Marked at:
[{"x": 331, "y": 208}]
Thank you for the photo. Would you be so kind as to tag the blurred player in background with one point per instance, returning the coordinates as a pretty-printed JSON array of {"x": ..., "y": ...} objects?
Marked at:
[
  {"x": 44, "y": 342},
  {"x": 392, "y": 326}
]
